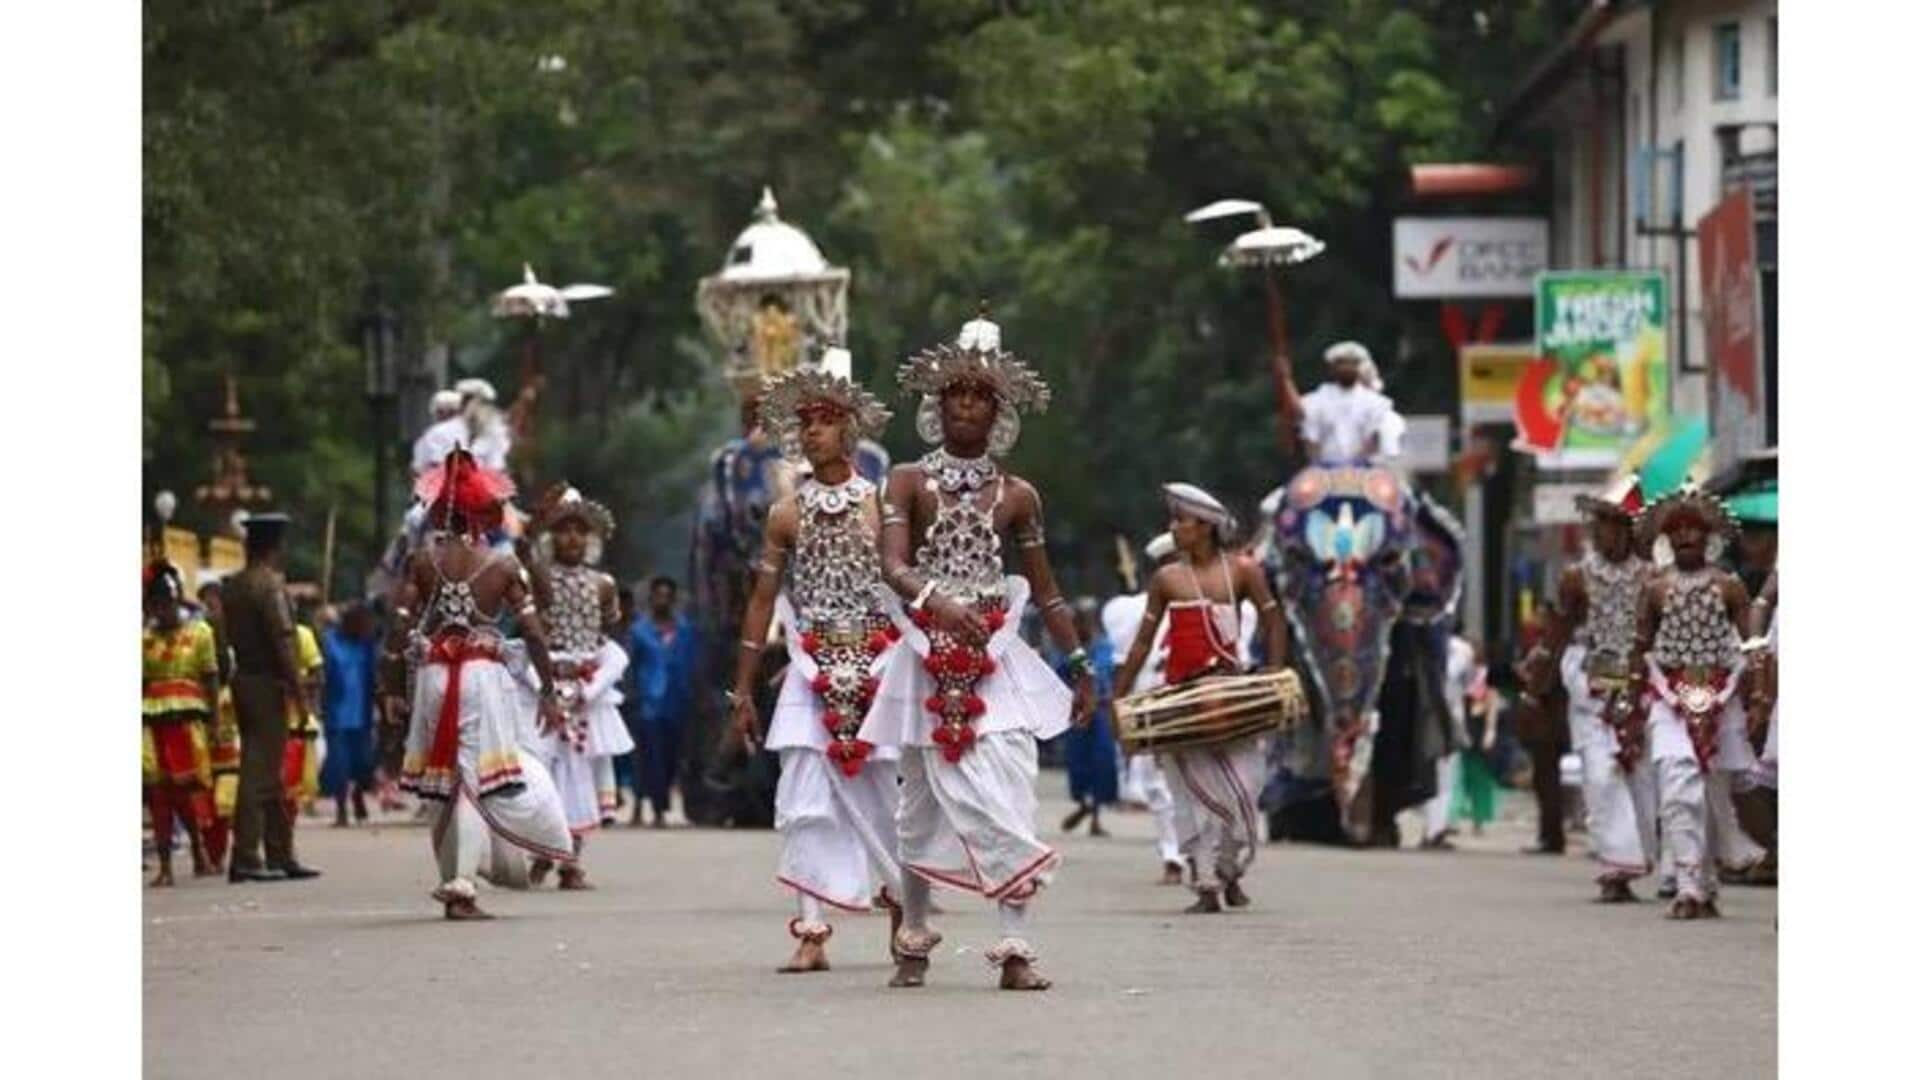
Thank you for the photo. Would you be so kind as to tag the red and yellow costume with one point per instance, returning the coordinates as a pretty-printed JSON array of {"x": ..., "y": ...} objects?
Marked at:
[
  {"x": 300, "y": 768},
  {"x": 175, "y": 766}
]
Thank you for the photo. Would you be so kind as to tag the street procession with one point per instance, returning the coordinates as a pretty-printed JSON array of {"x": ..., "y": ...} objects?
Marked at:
[{"x": 1060, "y": 539}]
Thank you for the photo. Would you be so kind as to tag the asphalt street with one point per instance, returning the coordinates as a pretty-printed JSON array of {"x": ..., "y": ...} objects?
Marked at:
[{"x": 1479, "y": 962}]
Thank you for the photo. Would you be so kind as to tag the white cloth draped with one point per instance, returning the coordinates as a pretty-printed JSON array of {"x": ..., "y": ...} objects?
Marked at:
[
  {"x": 1216, "y": 802},
  {"x": 837, "y": 832},
  {"x": 1621, "y": 806},
  {"x": 969, "y": 824},
  {"x": 1023, "y": 694}
]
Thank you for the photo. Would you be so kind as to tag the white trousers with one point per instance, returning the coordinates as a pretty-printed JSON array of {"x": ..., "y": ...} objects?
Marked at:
[
  {"x": 1145, "y": 777},
  {"x": 837, "y": 832},
  {"x": 969, "y": 824},
  {"x": 1439, "y": 809},
  {"x": 1694, "y": 836},
  {"x": 1215, "y": 798},
  {"x": 491, "y": 836},
  {"x": 1622, "y": 806}
]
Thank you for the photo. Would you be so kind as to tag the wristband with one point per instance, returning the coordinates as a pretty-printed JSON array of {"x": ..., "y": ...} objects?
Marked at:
[
  {"x": 920, "y": 600},
  {"x": 1078, "y": 662}
]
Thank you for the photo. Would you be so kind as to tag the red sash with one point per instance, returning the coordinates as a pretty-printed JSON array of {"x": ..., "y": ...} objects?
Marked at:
[{"x": 453, "y": 651}]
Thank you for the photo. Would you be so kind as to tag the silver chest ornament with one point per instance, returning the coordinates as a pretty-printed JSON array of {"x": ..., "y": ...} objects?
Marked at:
[
  {"x": 961, "y": 556},
  {"x": 961, "y": 550},
  {"x": 574, "y": 618},
  {"x": 835, "y": 583},
  {"x": 1613, "y": 602},
  {"x": 1695, "y": 631}
]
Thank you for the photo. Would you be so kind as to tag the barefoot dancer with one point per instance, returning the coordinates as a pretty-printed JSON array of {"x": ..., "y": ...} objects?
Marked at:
[
  {"x": 967, "y": 707},
  {"x": 180, "y": 681},
  {"x": 1588, "y": 642},
  {"x": 580, "y": 606},
  {"x": 1687, "y": 665},
  {"x": 1215, "y": 788},
  {"x": 462, "y": 745},
  {"x": 838, "y": 795}
]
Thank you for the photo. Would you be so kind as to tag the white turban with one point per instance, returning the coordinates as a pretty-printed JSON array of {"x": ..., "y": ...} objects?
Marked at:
[
  {"x": 445, "y": 403},
  {"x": 1188, "y": 499},
  {"x": 1343, "y": 350}
]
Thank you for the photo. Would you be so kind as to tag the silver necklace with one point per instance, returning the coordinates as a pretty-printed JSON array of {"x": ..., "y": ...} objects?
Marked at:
[{"x": 956, "y": 474}]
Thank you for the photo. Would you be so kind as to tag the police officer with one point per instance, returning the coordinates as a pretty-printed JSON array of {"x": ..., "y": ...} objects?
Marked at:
[{"x": 266, "y": 680}]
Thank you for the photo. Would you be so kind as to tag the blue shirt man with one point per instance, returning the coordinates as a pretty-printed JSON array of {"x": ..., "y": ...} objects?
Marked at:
[
  {"x": 664, "y": 646},
  {"x": 349, "y": 650}
]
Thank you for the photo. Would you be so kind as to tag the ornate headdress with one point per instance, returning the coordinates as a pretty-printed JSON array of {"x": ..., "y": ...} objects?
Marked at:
[
  {"x": 461, "y": 485},
  {"x": 1688, "y": 503},
  {"x": 1621, "y": 499},
  {"x": 975, "y": 357},
  {"x": 830, "y": 384},
  {"x": 563, "y": 502},
  {"x": 1193, "y": 501}
]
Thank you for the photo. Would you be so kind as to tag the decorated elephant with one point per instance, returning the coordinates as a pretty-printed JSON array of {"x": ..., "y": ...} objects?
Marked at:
[{"x": 1369, "y": 573}]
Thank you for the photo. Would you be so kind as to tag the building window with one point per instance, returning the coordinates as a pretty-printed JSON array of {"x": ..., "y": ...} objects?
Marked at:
[
  {"x": 1773, "y": 57},
  {"x": 1726, "y": 62}
]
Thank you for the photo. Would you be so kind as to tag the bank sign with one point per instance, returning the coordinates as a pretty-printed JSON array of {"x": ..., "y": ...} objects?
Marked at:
[{"x": 1456, "y": 258}]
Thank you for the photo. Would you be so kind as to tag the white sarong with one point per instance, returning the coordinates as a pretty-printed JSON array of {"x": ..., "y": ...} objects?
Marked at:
[
  {"x": 1622, "y": 807},
  {"x": 969, "y": 824},
  {"x": 837, "y": 832},
  {"x": 1215, "y": 797}
]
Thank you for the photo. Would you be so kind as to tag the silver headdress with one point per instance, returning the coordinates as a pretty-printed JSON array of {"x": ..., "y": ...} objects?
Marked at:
[
  {"x": 975, "y": 356},
  {"x": 563, "y": 502},
  {"x": 830, "y": 383}
]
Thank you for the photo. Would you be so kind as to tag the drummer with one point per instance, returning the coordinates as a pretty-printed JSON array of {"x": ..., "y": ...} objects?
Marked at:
[{"x": 1215, "y": 787}]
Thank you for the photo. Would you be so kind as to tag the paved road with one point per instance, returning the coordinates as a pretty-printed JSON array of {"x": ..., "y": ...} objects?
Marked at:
[{"x": 1476, "y": 963}]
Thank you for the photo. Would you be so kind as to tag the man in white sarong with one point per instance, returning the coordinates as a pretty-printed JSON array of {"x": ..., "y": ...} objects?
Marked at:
[
  {"x": 1687, "y": 665},
  {"x": 1144, "y": 782},
  {"x": 1215, "y": 787},
  {"x": 464, "y": 743},
  {"x": 1343, "y": 419},
  {"x": 838, "y": 794},
  {"x": 967, "y": 707},
  {"x": 446, "y": 433},
  {"x": 1587, "y": 645},
  {"x": 580, "y": 605}
]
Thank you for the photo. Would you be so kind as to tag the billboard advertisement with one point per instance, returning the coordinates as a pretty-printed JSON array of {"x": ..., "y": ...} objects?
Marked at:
[
  {"x": 1600, "y": 380},
  {"x": 1465, "y": 258},
  {"x": 1730, "y": 295}
]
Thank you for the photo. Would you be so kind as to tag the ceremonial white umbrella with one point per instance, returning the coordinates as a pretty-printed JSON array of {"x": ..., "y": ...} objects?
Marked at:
[
  {"x": 1267, "y": 247},
  {"x": 535, "y": 299}
]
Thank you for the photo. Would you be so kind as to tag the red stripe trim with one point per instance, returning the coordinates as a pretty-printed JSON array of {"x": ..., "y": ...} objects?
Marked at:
[
  {"x": 823, "y": 897},
  {"x": 187, "y": 688},
  {"x": 1249, "y": 822},
  {"x": 509, "y": 836}
]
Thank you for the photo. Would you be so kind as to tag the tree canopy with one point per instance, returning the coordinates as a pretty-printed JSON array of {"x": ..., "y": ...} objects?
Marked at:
[{"x": 1038, "y": 154}]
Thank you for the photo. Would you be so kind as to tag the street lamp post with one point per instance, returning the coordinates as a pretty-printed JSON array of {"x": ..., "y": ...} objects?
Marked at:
[
  {"x": 164, "y": 504},
  {"x": 377, "y": 331}
]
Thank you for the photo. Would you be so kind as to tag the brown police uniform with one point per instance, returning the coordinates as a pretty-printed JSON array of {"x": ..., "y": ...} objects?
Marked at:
[{"x": 258, "y": 619}]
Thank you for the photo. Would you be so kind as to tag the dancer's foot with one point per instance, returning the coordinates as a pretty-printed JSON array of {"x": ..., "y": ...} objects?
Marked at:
[
  {"x": 1018, "y": 974},
  {"x": 1208, "y": 903},
  {"x": 462, "y": 909},
  {"x": 1172, "y": 873},
  {"x": 537, "y": 871},
  {"x": 909, "y": 972},
  {"x": 1235, "y": 896},
  {"x": 1616, "y": 892},
  {"x": 1710, "y": 908},
  {"x": 1072, "y": 821},
  {"x": 811, "y": 955},
  {"x": 574, "y": 879},
  {"x": 163, "y": 879},
  {"x": 1686, "y": 908}
]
